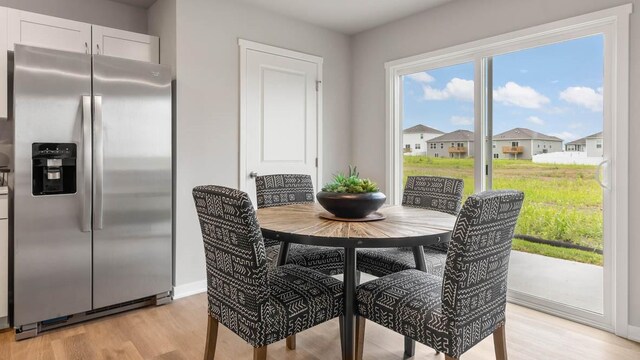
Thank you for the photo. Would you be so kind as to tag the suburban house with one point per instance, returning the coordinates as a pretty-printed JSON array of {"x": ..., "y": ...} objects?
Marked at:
[
  {"x": 591, "y": 144},
  {"x": 522, "y": 143},
  {"x": 415, "y": 139},
  {"x": 577, "y": 145},
  {"x": 456, "y": 144}
]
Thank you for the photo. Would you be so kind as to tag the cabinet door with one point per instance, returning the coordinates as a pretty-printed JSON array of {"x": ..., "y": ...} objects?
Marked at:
[
  {"x": 125, "y": 44},
  {"x": 3, "y": 63},
  {"x": 48, "y": 32},
  {"x": 4, "y": 268}
]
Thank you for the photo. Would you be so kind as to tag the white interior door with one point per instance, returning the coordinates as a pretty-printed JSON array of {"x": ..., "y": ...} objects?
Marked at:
[{"x": 280, "y": 105}]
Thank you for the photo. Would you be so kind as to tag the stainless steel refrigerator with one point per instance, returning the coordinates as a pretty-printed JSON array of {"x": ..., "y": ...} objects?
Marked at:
[{"x": 92, "y": 229}]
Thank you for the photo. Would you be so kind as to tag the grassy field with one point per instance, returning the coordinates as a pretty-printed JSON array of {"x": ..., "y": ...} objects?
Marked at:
[{"x": 562, "y": 202}]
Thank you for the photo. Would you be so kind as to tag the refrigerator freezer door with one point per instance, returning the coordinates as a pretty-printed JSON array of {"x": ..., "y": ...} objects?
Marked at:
[
  {"x": 52, "y": 254},
  {"x": 132, "y": 250}
]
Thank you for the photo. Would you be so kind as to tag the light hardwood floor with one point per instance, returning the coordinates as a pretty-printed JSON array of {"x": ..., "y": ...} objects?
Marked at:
[{"x": 177, "y": 331}]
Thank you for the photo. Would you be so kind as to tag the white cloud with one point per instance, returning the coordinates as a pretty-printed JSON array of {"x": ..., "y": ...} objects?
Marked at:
[
  {"x": 554, "y": 110},
  {"x": 457, "y": 88},
  {"x": 566, "y": 136},
  {"x": 575, "y": 125},
  {"x": 535, "y": 120},
  {"x": 522, "y": 96},
  {"x": 583, "y": 96},
  {"x": 461, "y": 120},
  {"x": 421, "y": 77}
]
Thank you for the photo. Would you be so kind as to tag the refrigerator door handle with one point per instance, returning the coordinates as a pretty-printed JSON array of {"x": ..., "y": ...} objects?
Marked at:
[
  {"x": 86, "y": 162},
  {"x": 98, "y": 163}
]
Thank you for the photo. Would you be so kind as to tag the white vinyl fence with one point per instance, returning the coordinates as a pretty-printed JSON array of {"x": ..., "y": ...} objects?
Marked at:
[{"x": 567, "y": 157}]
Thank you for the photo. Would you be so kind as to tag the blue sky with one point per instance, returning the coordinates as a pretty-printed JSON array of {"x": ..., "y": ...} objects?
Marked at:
[{"x": 555, "y": 89}]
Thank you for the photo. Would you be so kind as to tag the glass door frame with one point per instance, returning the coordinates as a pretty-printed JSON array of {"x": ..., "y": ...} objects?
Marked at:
[{"x": 613, "y": 23}]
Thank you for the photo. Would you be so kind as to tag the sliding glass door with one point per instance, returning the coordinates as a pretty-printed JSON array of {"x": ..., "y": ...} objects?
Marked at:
[
  {"x": 547, "y": 140},
  {"x": 539, "y": 115}
]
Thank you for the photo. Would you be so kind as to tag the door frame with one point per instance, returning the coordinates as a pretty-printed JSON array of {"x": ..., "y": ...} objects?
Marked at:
[
  {"x": 245, "y": 46},
  {"x": 614, "y": 24}
]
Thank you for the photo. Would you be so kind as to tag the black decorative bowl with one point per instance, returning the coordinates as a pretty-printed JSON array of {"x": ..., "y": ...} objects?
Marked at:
[{"x": 351, "y": 206}]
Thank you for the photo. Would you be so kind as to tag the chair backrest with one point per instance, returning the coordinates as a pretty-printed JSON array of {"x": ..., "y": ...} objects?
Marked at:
[
  {"x": 474, "y": 286},
  {"x": 284, "y": 189},
  {"x": 434, "y": 193},
  {"x": 237, "y": 285}
]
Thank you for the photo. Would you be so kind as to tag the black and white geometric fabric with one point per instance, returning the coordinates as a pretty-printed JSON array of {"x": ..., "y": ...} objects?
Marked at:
[
  {"x": 287, "y": 189},
  {"x": 453, "y": 313},
  {"x": 381, "y": 262},
  {"x": 434, "y": 193},
  {"x": 300, "y": 299},
  {"x": 259, "y": 306},
  {"x": 327, "y": 260},
  {"x": 426, "y": 192},
  {"x": 283, "y": 189}
]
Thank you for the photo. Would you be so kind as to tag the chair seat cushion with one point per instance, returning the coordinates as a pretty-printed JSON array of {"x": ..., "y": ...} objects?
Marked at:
[
  {"x": 407, "y": 302},
  {"x": 300, "y": 298},
  {"x": 381, "y": 262},
  {"x": 327, "y": 260}
]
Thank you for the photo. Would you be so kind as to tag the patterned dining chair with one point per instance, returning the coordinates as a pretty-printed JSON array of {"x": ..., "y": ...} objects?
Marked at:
[
  {"x": 287, "y": 189},
  {"x": 427, "y": 192},
  {"x": 453, "y": 313},
  {"x": 259, "y": 305}
]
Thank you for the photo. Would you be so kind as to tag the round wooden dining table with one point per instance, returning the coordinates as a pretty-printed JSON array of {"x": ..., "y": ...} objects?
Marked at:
[{"x": 403, "y": 226}]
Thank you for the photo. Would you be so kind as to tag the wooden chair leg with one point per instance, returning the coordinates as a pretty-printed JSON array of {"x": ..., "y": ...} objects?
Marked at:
[
  {"x": 212, "y": 336},
  {"x": 260, "y": 353},
  {"x": 500, "y": 343},
  {"x": 360, "y": 323},
  {"x": 291, "y": 342},
  {"x": 447, "y": 357},
  {"x": 341, "y": 323}
]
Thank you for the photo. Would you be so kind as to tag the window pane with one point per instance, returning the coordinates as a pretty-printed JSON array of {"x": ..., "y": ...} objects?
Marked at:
[
  {"x": 547, "y": 124},
  {"x": 438, "y": 109}
]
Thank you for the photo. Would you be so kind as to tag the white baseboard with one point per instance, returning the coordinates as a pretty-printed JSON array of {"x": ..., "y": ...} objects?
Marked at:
[
  {"x": 189, "y": 289},
  {"x": 634, "y": 333}
]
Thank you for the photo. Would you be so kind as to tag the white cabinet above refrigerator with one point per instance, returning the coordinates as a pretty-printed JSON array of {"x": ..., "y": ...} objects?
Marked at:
[
  {"x": 125, "y": 44},
  {"x": 27, "y": 28},
  {"x": 50, "y": 32}
]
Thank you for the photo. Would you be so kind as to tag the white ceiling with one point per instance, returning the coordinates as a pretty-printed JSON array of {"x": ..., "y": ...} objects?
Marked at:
[
  {"x": 145, "y": 4},
  {"x": 345, "y": 16}
]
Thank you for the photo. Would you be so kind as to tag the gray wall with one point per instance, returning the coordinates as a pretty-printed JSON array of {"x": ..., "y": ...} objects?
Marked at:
[
  {"x": 208, "y": 102},
  {"x": 99, "y": 12},
  {"x": 456, "y": 23},
  {"x": 162, "y": 23}
]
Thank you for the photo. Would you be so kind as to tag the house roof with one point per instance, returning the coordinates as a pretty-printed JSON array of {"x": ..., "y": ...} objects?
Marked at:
[
  {"x": 421, "y": 129},
  {"x": 524, "y": 134},
  {"x": 583, "y": 141},
  {"x": 458, "y": 135}
]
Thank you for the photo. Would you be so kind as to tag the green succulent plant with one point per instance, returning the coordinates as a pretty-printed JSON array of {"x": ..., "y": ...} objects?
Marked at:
[{"x": 351, "y": 183}]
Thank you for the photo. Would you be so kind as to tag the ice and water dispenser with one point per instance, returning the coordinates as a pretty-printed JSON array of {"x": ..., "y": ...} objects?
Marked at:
[{"x": 54, "y": 168}]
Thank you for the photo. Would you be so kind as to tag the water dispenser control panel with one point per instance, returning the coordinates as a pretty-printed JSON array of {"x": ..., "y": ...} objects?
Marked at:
[{"x": 54, "y": 168}]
